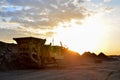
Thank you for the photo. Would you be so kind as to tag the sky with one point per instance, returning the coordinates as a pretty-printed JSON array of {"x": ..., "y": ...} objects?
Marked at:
[{"x": 81, "y": 25}]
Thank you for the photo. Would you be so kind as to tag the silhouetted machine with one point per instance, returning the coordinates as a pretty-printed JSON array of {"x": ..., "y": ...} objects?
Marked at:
[{"x": 32, "y": 52}]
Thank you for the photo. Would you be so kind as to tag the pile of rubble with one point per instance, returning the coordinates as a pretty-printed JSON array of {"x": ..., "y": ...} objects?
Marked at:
[
  {"x": 7, "y": 55},
  {"x": 88, "y": 56}
]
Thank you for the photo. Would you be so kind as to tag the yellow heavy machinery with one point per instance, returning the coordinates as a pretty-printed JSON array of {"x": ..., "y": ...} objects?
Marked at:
[{"x": 32, "y": 52}]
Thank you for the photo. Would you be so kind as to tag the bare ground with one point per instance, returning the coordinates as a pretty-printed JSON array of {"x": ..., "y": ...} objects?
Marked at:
[{"x": 86, "y": 71}]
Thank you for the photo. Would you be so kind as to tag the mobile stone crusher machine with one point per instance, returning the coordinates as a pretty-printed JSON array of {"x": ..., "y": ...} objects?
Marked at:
[{"x": 32, "y": 52}]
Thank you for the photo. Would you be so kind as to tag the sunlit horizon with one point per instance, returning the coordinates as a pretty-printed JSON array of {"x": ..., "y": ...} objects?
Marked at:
[
  {"x": 81, "y": 25},
  {"x": 81, "y": 37}
]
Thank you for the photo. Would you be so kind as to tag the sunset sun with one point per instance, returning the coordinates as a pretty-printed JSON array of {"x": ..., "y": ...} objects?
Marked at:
[{"x": 81, "y": 37}]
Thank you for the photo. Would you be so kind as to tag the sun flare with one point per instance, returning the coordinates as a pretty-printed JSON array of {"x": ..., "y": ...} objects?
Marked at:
[{"x": 81, "y": 37}]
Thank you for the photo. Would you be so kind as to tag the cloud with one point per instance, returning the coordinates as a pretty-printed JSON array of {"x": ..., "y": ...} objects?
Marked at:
[
  {"x": 108, "y": 9},
  {"x": 40, "y": 17},
  {"x": 7, "y": 35},
  {"x": 107, "y": 0},
  {"x": 36, "y": 31},
  {"x": 88, "y": 0},
  {"x": 42, "y": 12},
  {"x": 9, "y": 25}
]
